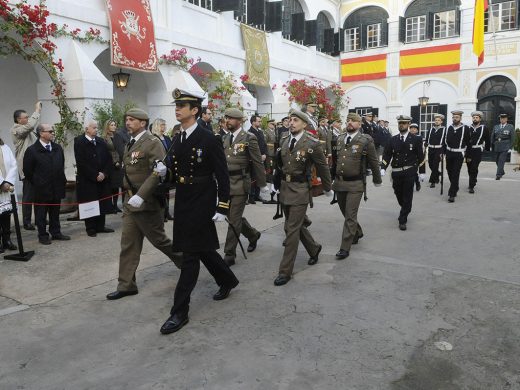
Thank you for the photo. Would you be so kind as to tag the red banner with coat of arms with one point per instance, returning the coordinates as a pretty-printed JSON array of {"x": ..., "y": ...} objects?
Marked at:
[{"x": 132, "y": 40}]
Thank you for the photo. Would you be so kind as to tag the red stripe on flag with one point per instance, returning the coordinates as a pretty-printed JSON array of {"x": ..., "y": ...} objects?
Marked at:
[
  {"x": 363, "y": 77},
  {"x": 357, "y": 60},
  {"x": 433, "y": 49},
  {"x": 430, "y": 69}
]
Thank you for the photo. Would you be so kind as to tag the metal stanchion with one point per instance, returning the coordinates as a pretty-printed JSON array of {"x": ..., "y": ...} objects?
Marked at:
[{"x": 21, "y": 255}]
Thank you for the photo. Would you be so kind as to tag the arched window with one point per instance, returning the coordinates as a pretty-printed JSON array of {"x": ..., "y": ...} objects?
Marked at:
[
  {"x": 323, "y": 24},
  {"x": 496, "y": 96},
  {"x": 430, "y": 19},
  {"x": 290, "y": 7},
  {"x": 366, "y": 28}
]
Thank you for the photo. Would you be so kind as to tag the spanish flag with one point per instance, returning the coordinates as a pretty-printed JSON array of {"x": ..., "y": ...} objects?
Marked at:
[
  {"x": 363, "y": 68},
  {"x": 427, "y": 60},
  {"x": 481, "y": 7}
]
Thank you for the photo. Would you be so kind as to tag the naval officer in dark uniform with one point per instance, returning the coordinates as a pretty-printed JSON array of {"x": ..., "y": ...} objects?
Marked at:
[
  {"x": 201, "y": 176},
  {"x": 405, "y": 153},
  {"x": 435, "y": 142},
  {"x": 479, "y": 137},
  {"x": 455, "y": 144}
]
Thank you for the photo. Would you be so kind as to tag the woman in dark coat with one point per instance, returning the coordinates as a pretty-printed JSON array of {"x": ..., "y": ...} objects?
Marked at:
[
  {"x": 116, "y": 177},
  {"x": 158, "y": 129}
]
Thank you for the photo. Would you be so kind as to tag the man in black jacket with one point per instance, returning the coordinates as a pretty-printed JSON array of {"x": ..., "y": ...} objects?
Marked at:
[
  {"x": 44, "y": 167},
  {"x": 256, "y": 121},
  {"x": 205, "y": 119},
  {"x": 94, "y": 165}
]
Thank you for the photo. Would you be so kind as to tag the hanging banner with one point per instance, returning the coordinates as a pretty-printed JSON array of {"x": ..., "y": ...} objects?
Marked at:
[
  {"x": 363, "y": 68},
  {"x": 257, "y": 56},
  {"x": 132, "y": 35},
  {"x": 426, "y": 60}
]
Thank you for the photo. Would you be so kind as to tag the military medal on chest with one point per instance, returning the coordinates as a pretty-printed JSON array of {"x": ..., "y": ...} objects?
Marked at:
[
  {"x": 199, "y": 154},
  {"x": 134, "y": 157},
  {"x": 354, "y": 148}
]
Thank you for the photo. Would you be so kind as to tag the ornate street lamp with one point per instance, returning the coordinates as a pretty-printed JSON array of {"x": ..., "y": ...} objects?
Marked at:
[
  {"x": 121, "y": 79},
  {"x": 423, "y": 100}
]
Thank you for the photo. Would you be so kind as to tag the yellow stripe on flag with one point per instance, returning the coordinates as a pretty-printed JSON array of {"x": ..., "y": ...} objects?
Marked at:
[
  {"x": 425, "y": 60},
  {"x": 363, "y": 68}
]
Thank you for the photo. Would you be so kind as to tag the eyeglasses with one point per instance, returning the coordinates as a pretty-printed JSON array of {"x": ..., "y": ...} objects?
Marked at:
[{"x": 48, "y": 131}]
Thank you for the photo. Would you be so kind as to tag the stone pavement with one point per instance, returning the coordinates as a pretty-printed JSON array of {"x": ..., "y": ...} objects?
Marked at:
[{"x": 368, "y": 322}]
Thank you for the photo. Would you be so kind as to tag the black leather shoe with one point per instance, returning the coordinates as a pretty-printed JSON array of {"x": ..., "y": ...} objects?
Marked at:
[
  {"x": 471, "y": 190},
  {"x": 106, "y": 230},
  {"x": 61, "y": 237},
  {"x": 451, "y": 199},
  {"x": 8, "y": 245},
  {"x": 174, "y": 323},
  {"x": 45, "y": 240},
  {"x": 402, "y": 226},
  {"x": 281, "y": 280},
  {"x": 120, "y": 294},
  {"x": 229, "y": 260},
  {"x": 417, "y": 186},
  {"x": 432, "y": 185},
  {"x": 357, "y": 237},
  {"x": 222, "y": 293},
  {"x": 497, "y": 178},
  {"x": 91, "y": 233},
  {"x": 252, "y": 244},
  {"x": 251, "y": 201},
  {"x": 314, "y": 259},
  {"x": 342, "y": 254},
  {"x": 29, "y": 227}
]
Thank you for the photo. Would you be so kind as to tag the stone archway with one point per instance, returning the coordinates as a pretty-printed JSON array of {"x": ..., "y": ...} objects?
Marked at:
[{"x": 496, "y": 95}]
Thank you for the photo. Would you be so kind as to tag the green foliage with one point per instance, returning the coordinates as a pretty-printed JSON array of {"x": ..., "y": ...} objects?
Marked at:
[
  {"x": 107, "y": 109},
  {"x": 516, "y": 145}
]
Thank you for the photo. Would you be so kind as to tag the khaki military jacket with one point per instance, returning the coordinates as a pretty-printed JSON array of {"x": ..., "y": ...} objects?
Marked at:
[
  {"x": 349, "y": 175},
  {"x": 270, "y": 140},
  {"x": 296, "y": 164},
  {"x": 243, "y": 151},
  {"x": 138, "y": 161},
  {"x": 325, "y": 140}
]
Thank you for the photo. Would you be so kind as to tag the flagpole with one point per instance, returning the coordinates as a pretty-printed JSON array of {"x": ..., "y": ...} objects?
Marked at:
[{"x": 490, "y": 17}]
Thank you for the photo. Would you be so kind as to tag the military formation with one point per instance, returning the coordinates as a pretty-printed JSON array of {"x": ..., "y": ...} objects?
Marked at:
[{"x": 216, "y": 174}]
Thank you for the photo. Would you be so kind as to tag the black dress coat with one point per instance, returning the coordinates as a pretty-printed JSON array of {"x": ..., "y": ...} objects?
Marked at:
[
  {"x": 45, "y": 171},
  {"x": 90, "y": 160},
  {"x": 200, "y": 156}
]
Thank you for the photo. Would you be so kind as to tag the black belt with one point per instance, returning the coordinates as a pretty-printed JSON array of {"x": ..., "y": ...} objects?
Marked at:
[
  {"x": 349, "y": 178},
  {"x": 294, "y": 178},
  {"x": 238, "y": 172},
  {"x": 193, "y": 180}
]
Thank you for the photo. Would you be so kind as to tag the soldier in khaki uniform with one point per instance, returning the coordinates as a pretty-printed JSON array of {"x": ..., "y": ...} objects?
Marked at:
[
  {"x": 298, "y": 152},
  {"x": 354, "y": 151},
  {"x": 272, "y": 145},
  {"x": 241, "y": 149},
  {"x": 323, "y": 137},
  {"x": 142, "y": 212}
]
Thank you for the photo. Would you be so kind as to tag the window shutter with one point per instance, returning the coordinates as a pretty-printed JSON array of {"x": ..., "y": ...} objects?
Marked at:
[
  {"x": 384, "y": 33},
  {"x": 415, "y": 113},
  {"x": 362, "y": 37},
  {"x": 457, "y": 22},
  {"x": 311, "y": 32},
  {"x": 298, "y": 27},
  {"x": 339, "y": 41},
  {"x": 226, "y": 5},
  {"x": 328, "y": 40},
  {"x": 273, "y": 16},
  {"x": 402, "y": 29},
  {"x": 351, "y": 110},
  {"x": 443, "y": 109},
  {"x": 375, "y": 111},
  {"x": 429, "y": 25},
  {"x": 255, "y": 13}
]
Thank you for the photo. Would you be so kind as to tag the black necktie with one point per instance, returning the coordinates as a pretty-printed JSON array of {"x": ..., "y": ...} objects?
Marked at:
[
  {"x": 402, "y": 138},
  {"x": 131, "y": 143},
  {"x": 291, "y": 146},
  {"x": 231, "y": 139},
  {"x": 348, "y": 139},
  {"x": 183, "y": 137},
  {"x": 94, "y": 142},
  {"x": 48, "y": 147}
]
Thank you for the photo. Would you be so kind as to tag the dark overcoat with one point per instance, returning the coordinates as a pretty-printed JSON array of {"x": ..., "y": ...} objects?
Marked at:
[
  {"x": 90, "y": 160},
  {"x": 202, "y": 157},
  {"x": 45, "y": 171}
]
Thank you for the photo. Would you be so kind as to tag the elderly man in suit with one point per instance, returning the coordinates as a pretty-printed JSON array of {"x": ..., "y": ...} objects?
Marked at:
[
  {"x": 94, "y": 166},
  {"x": 502, "y": 140},
  {"x": 142, "y": 210}
]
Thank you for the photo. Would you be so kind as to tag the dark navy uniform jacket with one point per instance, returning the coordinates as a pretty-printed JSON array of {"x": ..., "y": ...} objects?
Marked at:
[{"x": 405, "y": 157}]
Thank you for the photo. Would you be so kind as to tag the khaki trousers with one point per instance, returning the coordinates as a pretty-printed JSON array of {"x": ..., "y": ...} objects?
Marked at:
[
  {"x": 237, "y": 205},
  {"x": 349, "y": 204},
  {"x": 295, "y": 231},
  {"x": 136, "y": 226}
]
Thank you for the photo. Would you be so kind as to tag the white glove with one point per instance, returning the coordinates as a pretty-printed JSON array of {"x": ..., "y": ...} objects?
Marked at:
[
  {"x": 265, "y": 193},
  {"x": 219, "y": 217},
  {"x": 383, "y": 172},
  {"x": 135, "y": 201},
  {"x": 377, "y": 185},
  {"x": 421, "y": 176},
  {"x": 329, "y": 194},
  {"x": 160, "y": 168}
]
